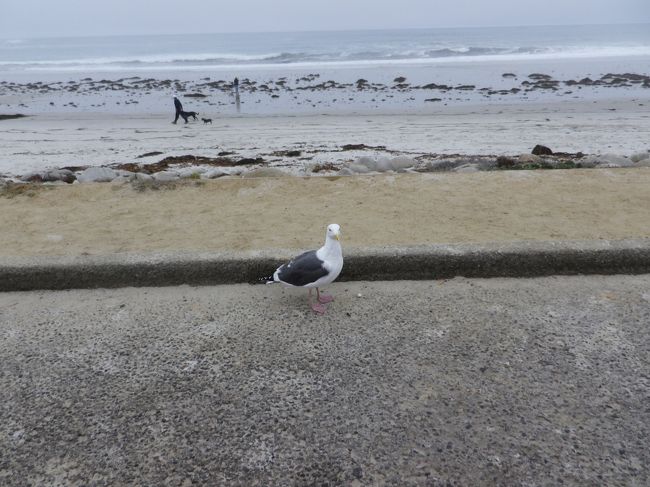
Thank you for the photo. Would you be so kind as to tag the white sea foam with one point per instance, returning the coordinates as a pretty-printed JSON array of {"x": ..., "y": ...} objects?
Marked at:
[
  {"x": 174, "y": 58},
  {"x": 200, "y": 62},
  {"x": 323, "y": 49}
]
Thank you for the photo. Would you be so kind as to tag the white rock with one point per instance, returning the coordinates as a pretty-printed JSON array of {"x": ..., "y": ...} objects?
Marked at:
[
  {"x": 402, "y": 162},
  {"x": 640, "y": 156},
  {"x": 606, "y": 160},
  {"x": 345, "y": 171},
  {"x": 384, "y": 164},
  {"x": 643, "y": 163},
  {"x": 97, "y": 175},
  {"x": 188, "y": 172},
  {"x": 358, "y": 168},
  {"x": 369, "y": 162},
  {"x": 620, "y": 161},
  {"x": 166, "y": 176},
  {"x": 123, "y": 176}
]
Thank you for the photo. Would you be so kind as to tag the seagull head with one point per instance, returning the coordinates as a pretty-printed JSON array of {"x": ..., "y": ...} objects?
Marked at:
[{"x": 333, "y": 231}]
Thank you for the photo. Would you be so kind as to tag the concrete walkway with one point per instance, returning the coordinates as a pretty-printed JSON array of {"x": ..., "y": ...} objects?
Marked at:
[{"x": 463, "y": 382}]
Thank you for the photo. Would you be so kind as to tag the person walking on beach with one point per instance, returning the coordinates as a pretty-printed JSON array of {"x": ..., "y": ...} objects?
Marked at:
[
  {"x": 179, "y": 109},
  {"x": 181, "y": 113}
]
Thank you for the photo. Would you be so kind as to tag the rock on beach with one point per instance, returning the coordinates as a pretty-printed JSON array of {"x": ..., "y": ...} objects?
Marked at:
[
  {"x": 640, "y": 156},
  {"x": 542, "y": 150},
  {"x": 365, "y": 164},
  {"x": 50, "y": 176},
  {"x": 97, "y": 175},
  {"x": 606, "y": 161},
  {"x": 166, "y": 176}
]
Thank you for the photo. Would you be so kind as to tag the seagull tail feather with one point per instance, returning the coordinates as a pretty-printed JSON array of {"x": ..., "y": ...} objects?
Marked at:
[{"x": 267, "y": 280}]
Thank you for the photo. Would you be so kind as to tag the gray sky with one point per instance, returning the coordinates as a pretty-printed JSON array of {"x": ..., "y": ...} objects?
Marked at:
[{"x": 36, "y": 18}]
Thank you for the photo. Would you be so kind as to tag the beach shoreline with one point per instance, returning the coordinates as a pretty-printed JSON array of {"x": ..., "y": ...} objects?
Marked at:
[
  {"x": 46, "y": 141},
  {"x": 330, "y": 124},
  {"x": 364, "y": 89},
  {"x": 477, "y": 108},
  {"x": 446, "y": 107}
]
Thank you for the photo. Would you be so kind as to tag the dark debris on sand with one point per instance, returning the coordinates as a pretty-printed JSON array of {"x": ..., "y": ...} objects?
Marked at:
[
  {"x": 203, "y": 88},
  {"x": 11, "y": 117},
  {"x": 347, "y": 147},
  {"x": 149, "y": 154},
  {"x": 188, "y": 159}
]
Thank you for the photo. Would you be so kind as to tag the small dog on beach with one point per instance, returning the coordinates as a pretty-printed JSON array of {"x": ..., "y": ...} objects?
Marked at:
[{"x": 207, "y": 120}]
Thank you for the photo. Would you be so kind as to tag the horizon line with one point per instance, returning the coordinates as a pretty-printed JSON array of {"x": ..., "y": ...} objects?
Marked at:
[{"x": 373, "y": 29}]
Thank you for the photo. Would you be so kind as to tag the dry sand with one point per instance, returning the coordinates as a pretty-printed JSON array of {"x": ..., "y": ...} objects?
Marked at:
[{"x": 268, "y": 213}]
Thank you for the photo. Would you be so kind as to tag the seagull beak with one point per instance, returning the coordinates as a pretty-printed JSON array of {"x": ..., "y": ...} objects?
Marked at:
[{"x": 337, "y": 236}]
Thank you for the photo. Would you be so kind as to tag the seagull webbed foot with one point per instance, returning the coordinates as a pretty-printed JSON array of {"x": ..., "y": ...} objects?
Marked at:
[
  {"x": 325, "y": 298},
  {"x": 319, "y": 308}
]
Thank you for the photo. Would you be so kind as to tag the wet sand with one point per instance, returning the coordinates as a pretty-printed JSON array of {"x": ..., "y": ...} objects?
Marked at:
[{"x": 93, "y": 139}]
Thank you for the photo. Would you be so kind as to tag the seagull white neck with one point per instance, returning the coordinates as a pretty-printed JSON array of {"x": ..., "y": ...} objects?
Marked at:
[{"x": 331, "y": 249}]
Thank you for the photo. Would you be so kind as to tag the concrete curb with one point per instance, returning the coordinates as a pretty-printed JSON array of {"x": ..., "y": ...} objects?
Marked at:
[{"x": 518, "y": 259}]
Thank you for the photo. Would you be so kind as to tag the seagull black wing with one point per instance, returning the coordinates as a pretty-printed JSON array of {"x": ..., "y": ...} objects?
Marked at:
[{"x": 302, "y": 270}]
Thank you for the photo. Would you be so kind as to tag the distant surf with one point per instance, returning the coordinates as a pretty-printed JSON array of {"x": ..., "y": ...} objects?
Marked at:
[{"x": 201, "y": 51}]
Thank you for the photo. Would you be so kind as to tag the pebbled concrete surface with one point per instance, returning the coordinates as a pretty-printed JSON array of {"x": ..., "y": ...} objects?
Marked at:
[{"x": 464, "y": 382}]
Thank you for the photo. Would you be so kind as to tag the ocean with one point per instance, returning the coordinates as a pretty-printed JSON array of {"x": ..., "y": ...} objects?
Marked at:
[{"x": 270, "y": 51}]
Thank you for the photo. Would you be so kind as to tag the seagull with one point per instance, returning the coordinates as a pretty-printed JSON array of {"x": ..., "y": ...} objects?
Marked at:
[{"x": 314, "y": 268}]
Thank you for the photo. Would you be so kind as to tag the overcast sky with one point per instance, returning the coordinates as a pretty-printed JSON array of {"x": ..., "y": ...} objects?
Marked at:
[{"x": 36, "y": 18}]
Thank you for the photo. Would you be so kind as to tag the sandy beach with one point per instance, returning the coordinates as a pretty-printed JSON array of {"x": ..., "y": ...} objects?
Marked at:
[
  {"x": 291, "y": 213},
  {"x": 95, "y": 139},
  {"x": 593, "y": 106},
  {"x": 441, "y": 119}
]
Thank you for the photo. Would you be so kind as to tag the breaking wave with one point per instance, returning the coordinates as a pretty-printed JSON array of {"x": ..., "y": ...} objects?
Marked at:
[{"x": 354, "y": 47}]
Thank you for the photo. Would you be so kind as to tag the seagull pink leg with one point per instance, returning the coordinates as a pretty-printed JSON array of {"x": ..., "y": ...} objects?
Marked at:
[
  {"x": 316, "y": 307},
  {"x": 323, "y": 298}
]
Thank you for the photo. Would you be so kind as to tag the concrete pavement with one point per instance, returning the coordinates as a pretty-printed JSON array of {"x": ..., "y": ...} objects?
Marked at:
[{"x": 463, "y": 382}]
